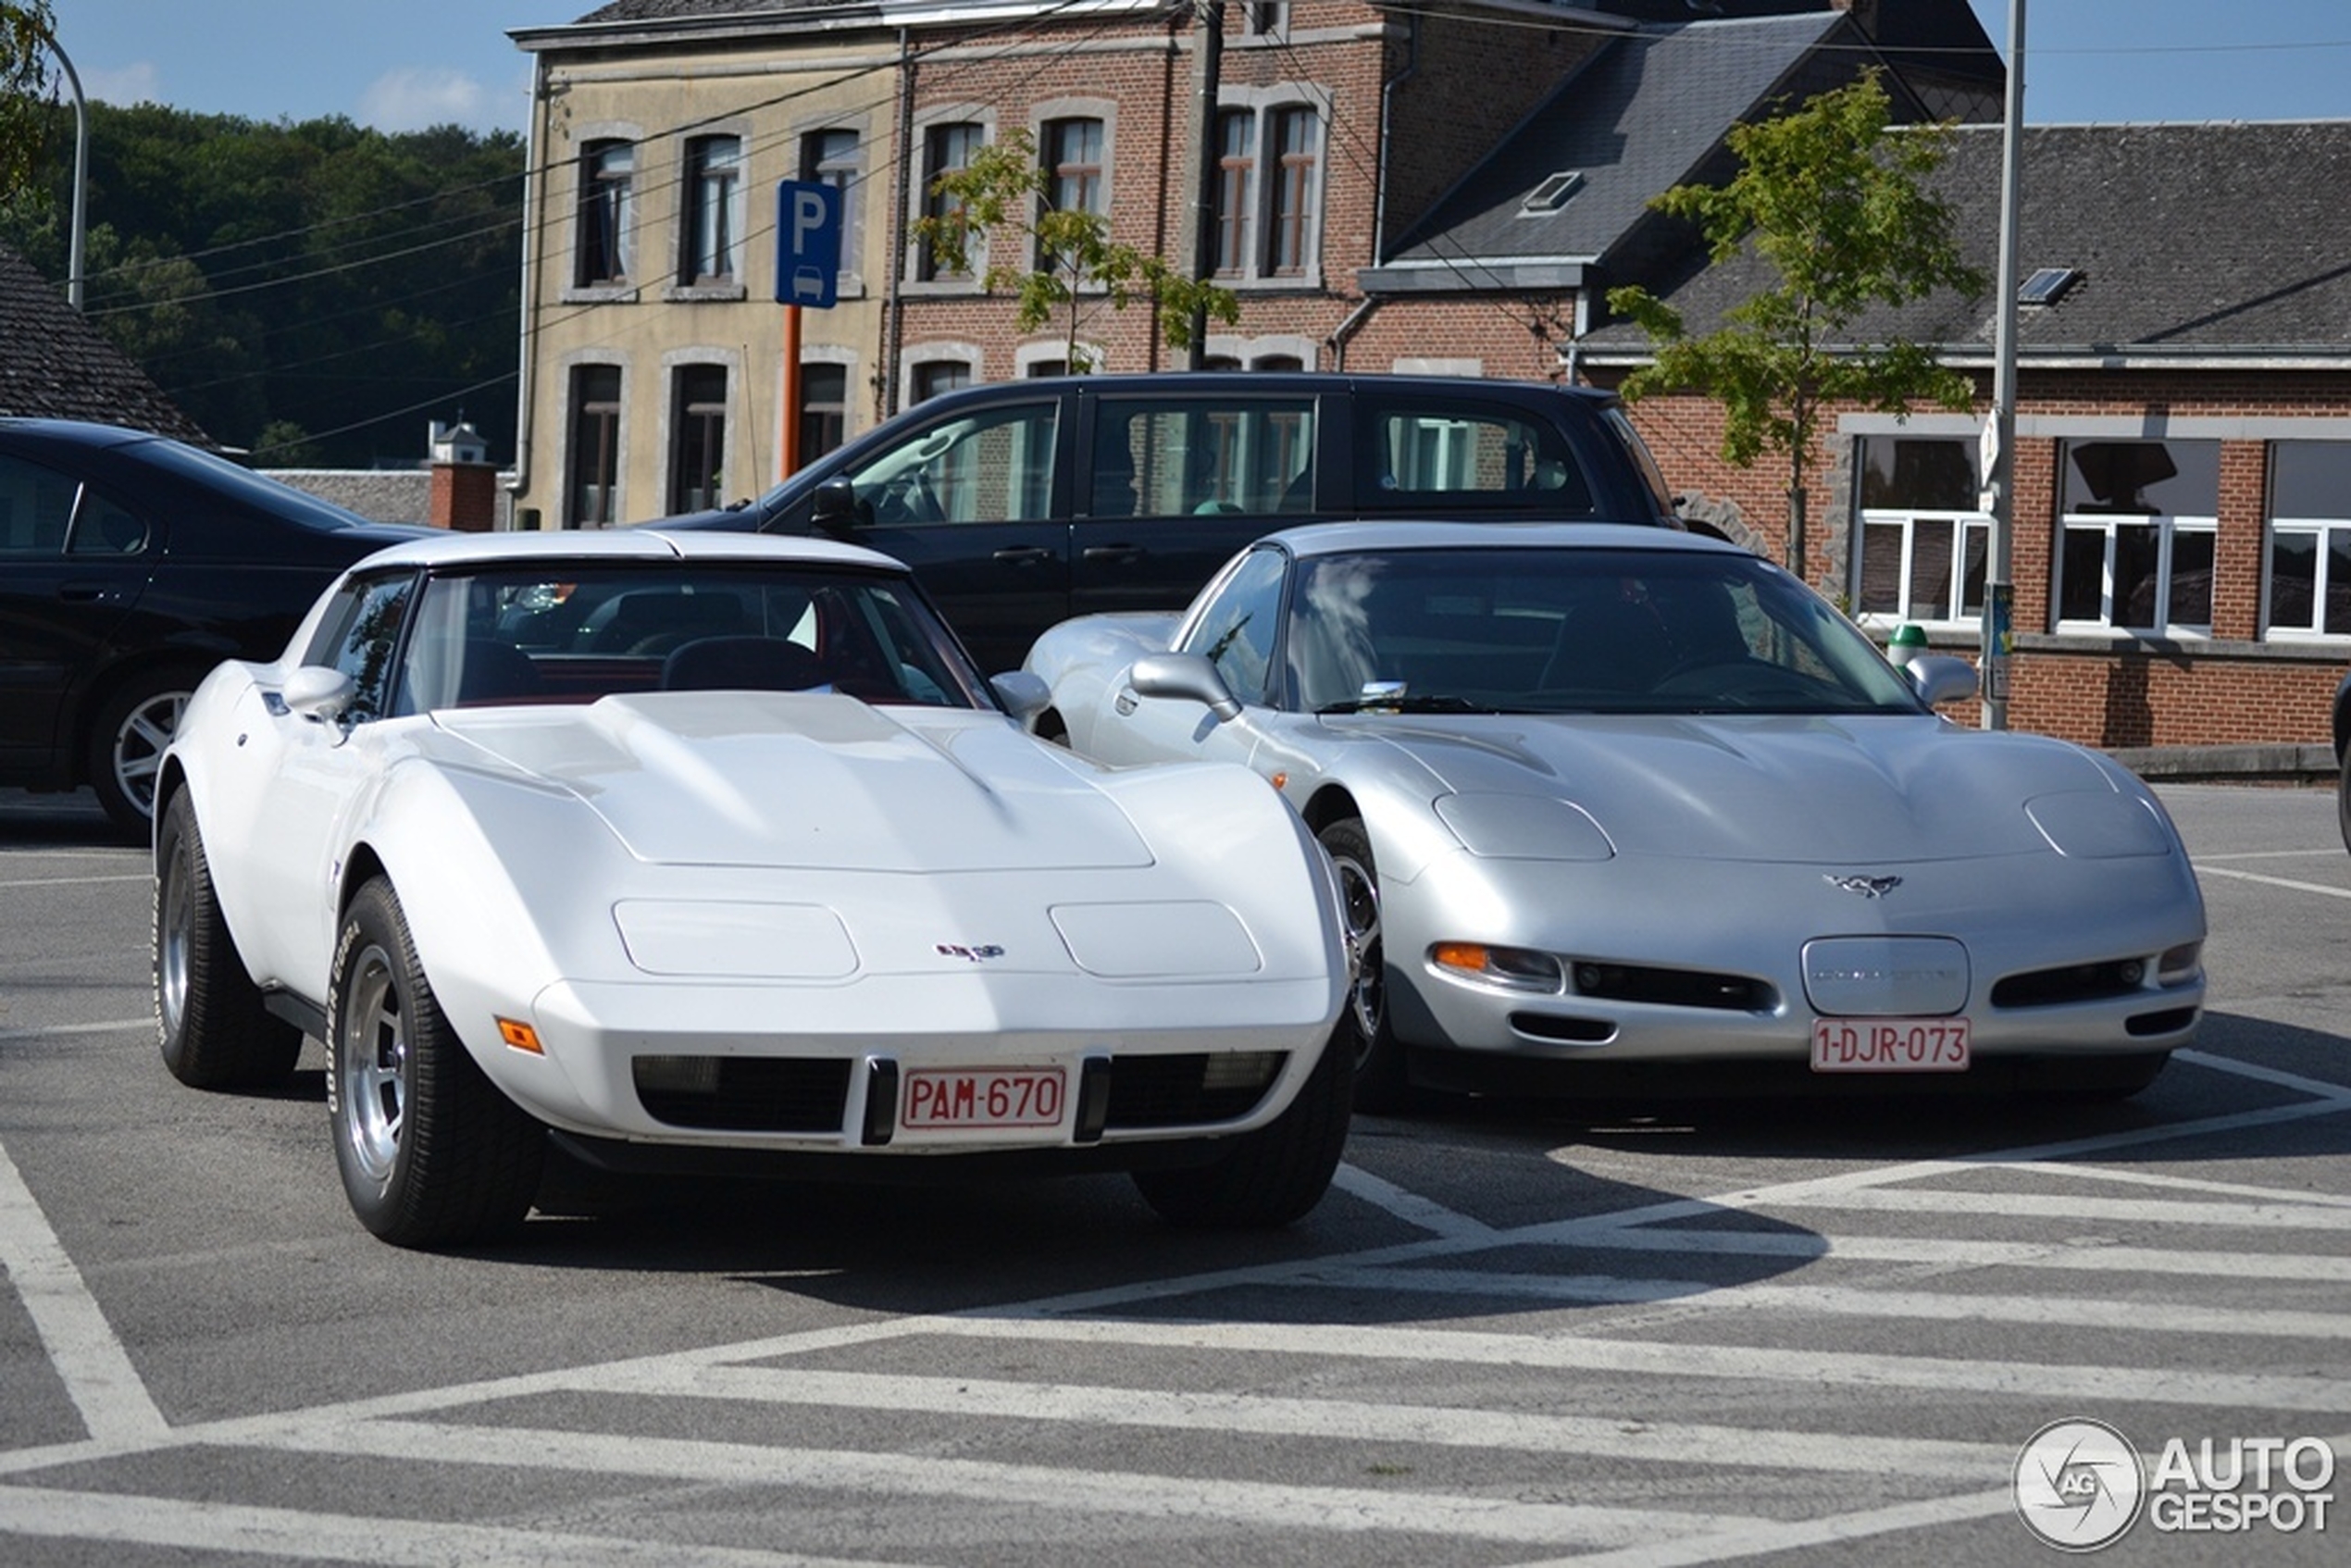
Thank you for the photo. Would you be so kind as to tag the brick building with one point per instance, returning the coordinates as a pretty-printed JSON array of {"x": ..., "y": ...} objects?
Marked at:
[{"x": 1453, "y": 191}]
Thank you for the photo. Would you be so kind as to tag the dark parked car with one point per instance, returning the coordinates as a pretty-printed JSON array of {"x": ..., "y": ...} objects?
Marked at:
[
  {"x": 129, "y": 565},
  {"x": 1021, "y": 504}
]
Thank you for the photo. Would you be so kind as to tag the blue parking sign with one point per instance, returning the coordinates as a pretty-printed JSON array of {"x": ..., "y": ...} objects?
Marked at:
[{"x": 807, "y": 244}]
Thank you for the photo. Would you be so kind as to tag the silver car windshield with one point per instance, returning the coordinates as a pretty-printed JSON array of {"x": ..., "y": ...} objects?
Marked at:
[
  {"x": 574, "y": 631},
  {"x": 1574, "y": 631}
]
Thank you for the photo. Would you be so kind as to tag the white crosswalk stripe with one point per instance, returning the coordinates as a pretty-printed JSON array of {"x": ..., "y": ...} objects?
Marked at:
[{"x": 1818, "y": 1305}]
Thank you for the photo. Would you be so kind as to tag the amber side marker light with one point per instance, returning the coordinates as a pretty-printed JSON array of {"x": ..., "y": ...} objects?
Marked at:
[{"x": 521, "y": 1035}]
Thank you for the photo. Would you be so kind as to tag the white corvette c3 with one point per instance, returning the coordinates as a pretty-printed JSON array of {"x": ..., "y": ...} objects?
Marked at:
[{"x": 683, "y": 848}]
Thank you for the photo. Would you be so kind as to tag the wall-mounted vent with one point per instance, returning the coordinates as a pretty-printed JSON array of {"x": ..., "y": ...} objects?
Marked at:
[
  {"x": 1553, "y": 194},
  {"x": 2047, "y": 284}
]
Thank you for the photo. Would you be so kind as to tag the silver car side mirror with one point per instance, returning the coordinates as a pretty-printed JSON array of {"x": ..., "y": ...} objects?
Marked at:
[
  {"x": 1939, "y": 678},
  {"x": 1184, "y": 675},
  {"x": 1024, "y": 693},
  {"x": 315, "y": 693}
]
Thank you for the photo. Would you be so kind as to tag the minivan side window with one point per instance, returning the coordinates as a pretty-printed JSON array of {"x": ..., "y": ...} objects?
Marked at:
[
  {"x": 1461, "y": 458},
  {"x": 992, "y": 466},
  {"x": 1175, "y": 456}
]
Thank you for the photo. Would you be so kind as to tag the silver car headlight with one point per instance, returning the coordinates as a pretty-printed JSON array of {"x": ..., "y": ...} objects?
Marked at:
[
  {"x": 2097, "y": 824},
  {"x": 1498, "y": 826}
]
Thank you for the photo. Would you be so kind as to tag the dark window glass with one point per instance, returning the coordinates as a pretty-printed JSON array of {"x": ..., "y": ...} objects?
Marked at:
[
  {"x": 606, "y": 211},
  {"x": 835, "y": 157},
  {"x": 595, "y": 446},
  {"x": 698, "y": 438},
  {"x": 2173, "y": 479},
  {"x": 946, "y": 148},
  {"x": 1236, "y": 189},
  {"x": 1931, "y": 474},
  {"x": 824, "y": 409},
  {"x": 1294, "y": 137},
  {"x": 360, "y": 638},
  {"x": 1236, "y": 632},
  {"x": 2310, "y": 478},
  {"x": 36, "y": 508},
  {"x": 713, "y": 220}
]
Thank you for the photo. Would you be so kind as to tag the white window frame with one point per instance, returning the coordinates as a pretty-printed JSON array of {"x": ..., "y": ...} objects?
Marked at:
[{"x": 1956, "y": 612}]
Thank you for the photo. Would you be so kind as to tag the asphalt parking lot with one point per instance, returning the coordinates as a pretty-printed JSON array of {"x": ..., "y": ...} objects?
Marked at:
[{"x": 1634, "y": 1334}]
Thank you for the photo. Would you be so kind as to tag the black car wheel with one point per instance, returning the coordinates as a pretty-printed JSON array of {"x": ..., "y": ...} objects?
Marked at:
[
  {"x": 432, "y": 1153},
  {"x": 1274, "y": 1174},
  {"x": 209, "y": 1017},
  {"x": 127, "y": 743},
  {"x": 1381, "y": 1083}
]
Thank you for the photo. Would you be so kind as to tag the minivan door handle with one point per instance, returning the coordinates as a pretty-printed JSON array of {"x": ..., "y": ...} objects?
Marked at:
[
  {"x": 1024, "y": 555},
  {"x": 1118, "y": 552}
]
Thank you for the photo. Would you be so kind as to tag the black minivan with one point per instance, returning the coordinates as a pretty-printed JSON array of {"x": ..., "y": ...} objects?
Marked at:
[{"x": 1021, "y": 504}]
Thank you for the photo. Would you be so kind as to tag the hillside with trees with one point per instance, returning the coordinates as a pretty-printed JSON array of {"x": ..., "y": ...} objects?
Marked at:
[{"x": 314, "y": 292}]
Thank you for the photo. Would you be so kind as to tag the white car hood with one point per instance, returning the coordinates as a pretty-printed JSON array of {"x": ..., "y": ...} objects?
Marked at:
[
  {"x": 810, "y": 781},
  {"x": 1863, "y": 789}
]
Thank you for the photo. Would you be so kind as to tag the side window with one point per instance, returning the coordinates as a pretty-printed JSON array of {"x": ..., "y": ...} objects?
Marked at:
[
  {"x": 358, "y": 637},
  {"x": 1236, "y": 632},
  {"x": 1467, "y": 457},
  {"x": 1165, "y": 458},
  {"x": 103, "y": 528},
  {"x": 36, "y": 506},
  {"x": 995, "y": 466}
]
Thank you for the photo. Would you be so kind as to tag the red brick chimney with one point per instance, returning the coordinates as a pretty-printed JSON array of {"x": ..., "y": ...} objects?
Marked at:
[{"x": 464, "y": 485}]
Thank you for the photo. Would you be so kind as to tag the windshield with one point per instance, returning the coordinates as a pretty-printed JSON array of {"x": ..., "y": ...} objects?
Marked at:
[
  {"x": 1576, "y": 630},
  {"x": 574, "y": 631}
]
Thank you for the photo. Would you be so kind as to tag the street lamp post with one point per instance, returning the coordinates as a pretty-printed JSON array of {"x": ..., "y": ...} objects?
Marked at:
[
  {"x": 81, "y": 177},
  {"x": 1999, "y": 472}
]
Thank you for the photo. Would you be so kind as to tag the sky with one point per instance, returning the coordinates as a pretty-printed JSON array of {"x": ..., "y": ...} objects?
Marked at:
[{"x": 402, "y": 65}]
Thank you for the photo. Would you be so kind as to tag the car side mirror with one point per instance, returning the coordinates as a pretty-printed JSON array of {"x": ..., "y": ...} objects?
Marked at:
[
  {"x": 315, "y": 693},
  {"x": 1184, "y": 675},
  {"x": 1024, "y": 692},
  {"x": 1939, "y": 678},
  {"x": 833, "y": 509}
]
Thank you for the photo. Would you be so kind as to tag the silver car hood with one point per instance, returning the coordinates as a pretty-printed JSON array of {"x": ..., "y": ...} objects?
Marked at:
[
  {"x": 810, "y": 781},
  {"x": 1768, "y": 787}
]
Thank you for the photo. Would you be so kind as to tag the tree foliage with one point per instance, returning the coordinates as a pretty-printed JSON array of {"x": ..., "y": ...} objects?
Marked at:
[
  {"x": 27, "y": 28},
  {"x": 316, "y": 290},
  {"x": 1836, "y": 207},
  {"x": 1074, "y": 265}
]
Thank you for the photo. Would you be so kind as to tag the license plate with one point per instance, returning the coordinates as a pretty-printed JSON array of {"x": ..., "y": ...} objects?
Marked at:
[
  {"x": 1890, "y": 1045},
  {"x": 937, "y": 1099}
]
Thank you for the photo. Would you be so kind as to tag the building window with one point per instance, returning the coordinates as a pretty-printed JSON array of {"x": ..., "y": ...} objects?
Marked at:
[
  {"x": 1073, "y": 160},
  {"x": 697, "y": 438},
  {"x": 824, "y": 409},
  {"x": 2138, "y": 520},
  {"x": 2309, "y": 578},
  {"x": 835, "y": 157},
  {"x": 1265, "y": 18},
  {"x": 946, "y": 148},
  {"x": 1296, "y": 140},
  {"x": 713, "y": 230},
  {"x": 606, "y": 213},
  {"x": 1235, "y": 191},
  {"x": 1265, "y": 227},
  {"x": 1922, "y": 539},
  {"x": 936, "y": 375},
  {"x": 592, "y": 494}
]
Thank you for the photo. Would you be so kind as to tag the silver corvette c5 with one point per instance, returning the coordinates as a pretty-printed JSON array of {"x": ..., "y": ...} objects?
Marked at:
[{"x": 1607, "y": 805}]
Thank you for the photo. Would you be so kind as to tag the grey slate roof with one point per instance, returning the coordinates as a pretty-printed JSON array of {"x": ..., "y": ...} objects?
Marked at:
[
  {"x": 1637, "y": 119},
  {"x": 54, "y": 364},
  {"x": 2195, "y": 241}
]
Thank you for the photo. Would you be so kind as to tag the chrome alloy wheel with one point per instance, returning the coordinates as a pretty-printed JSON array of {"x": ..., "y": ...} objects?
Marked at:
[
  {"x": 136, "y": 754},
  {"x": 1358, "y": 903},
  {"x": 175, "y": 931},
  {"x": 373, "y": 1063}
]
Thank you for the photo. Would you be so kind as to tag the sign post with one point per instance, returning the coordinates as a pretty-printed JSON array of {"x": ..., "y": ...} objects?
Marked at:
[{"x": 807, "y": 274}]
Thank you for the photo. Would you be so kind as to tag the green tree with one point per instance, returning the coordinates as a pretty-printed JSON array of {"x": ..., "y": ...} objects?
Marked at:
[
  {"x": 27, "y": 28},
  {"x": 1077, "y": 266},
  {"x": 1833, "y": 204}
]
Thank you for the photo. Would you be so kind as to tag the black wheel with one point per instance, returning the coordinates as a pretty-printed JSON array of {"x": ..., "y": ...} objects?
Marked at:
[
  {"x": 1381, "y": 1083},
  {"x": 209, "y": 1019},
  {"x": 432, "y": 1153},
  {"x": 2342, "y": 799},
  {"x": 127, "y": 742},
  {"x": 1274, "y": 1174}
]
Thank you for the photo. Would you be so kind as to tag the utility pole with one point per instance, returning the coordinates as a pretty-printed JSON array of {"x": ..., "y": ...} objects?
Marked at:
[
  {"x": 80, "y": 179},
  {"x": 1999, "y": 443},
  {"x": 1208, "y": 29}
]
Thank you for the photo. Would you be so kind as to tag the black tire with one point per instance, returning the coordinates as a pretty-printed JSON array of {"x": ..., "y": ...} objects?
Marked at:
[
  {"x": 1273, "y": 1176},
  {"x": 2342, "y": 799},
  {"x": 209, "y": 1018},
  {"x": 1382, "y": 1082},
  {"x": 432, "y": 1153},
  {"x": 127, "y": 742}
]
